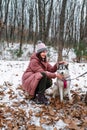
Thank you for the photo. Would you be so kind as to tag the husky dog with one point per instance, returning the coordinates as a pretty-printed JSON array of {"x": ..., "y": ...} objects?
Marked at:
[{"x": 62, "y": 87}]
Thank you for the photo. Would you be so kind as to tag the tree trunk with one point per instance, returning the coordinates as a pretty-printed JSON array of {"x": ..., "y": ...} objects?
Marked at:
[
  {"x": 82, "y": 22},
  {"x": 22, "y": 29},
  {"x": 36, "y": 27},
  {"x": 15, "y": 18},
  {"x": 48, "y": 20},
  {"x": 6, "y": 20},
  {"x": 1, "y": 19},
  {"x": 40, "y": 19},
  {"x": 85, "y": 29},
  {"x": 61, "y": 29}
]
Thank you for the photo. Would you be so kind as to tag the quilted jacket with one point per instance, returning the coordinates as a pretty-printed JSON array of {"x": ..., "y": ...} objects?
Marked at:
[{"x": 32, "y": 74}]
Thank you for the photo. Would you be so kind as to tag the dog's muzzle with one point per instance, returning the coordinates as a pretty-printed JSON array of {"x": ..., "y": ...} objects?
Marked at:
[{"x": 62, "y": 73}]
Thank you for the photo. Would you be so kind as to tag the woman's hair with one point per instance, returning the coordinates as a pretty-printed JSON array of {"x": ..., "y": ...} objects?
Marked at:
[{"x": 40, "y": 58}]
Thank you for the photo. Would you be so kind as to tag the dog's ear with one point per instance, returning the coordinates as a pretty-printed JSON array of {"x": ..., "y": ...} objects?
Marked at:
[
  {"x": 67, "y": 66},
  {"x": 59, "y": 66}
]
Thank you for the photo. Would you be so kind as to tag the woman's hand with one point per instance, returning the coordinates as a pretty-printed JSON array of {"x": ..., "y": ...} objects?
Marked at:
[
  {"x": 59, "y": 76},
  {"x": 62, "y": 62}
]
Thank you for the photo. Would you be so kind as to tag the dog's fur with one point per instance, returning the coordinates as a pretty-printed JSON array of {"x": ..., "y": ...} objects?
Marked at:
[{"x": 58, "y": 87}]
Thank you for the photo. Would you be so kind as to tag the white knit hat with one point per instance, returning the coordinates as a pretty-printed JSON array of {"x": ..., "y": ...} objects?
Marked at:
[{"x": 41, "y": 47}]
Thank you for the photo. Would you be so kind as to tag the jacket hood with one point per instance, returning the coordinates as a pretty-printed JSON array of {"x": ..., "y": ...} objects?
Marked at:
[{"x": 33, "y": 56}]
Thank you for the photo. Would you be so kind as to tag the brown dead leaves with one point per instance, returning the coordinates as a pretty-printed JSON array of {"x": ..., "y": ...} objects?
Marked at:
[
  {"x": 33, "y": 127},
  {"x": 18, "y": 112}
]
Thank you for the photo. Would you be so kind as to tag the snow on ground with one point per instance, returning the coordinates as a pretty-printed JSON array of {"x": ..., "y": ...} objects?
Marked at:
[{"x": 17, "y": 112}]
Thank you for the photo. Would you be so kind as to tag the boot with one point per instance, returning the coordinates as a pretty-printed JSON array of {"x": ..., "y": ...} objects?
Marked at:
[{"x": 41, "y": 99}]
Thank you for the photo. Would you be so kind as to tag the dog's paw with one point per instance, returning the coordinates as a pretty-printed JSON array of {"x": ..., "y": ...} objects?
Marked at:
[
  {"x": 70, "y": 97},
  {"x": 71, "y": 101}
]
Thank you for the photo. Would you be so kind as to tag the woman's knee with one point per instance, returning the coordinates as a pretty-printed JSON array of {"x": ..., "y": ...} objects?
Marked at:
[
  {"x": 49, "y": 83},
  {"x": 44, "y": 74}
]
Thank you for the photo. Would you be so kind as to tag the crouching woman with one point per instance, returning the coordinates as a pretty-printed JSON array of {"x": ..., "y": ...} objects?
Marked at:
[{"x": 38, "y": 75}]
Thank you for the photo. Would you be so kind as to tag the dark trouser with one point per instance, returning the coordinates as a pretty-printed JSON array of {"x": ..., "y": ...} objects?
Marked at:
[{"x": 44, "y": 84}]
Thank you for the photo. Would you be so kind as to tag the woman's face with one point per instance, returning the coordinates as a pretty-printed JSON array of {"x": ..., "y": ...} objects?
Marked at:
[{"x": 43, "y": 54}]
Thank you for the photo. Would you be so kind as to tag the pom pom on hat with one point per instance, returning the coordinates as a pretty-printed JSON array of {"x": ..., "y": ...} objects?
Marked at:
[
  {"x": 39, "y": 41},
  {"x": 41, "y": 47}
]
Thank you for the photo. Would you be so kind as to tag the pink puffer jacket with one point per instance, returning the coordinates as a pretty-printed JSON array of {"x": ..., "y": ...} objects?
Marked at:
[{"x": 32, "y": 75}]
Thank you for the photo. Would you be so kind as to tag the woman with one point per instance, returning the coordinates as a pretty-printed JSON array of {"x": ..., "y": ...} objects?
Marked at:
[{"x": 38, "y": 75}]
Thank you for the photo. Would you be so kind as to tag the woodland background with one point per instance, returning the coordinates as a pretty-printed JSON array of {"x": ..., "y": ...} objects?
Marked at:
[{"x": 59, "y": 23}]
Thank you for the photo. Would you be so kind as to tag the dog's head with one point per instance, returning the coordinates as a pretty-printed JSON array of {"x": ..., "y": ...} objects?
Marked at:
[{"x": 63, "y": 69}]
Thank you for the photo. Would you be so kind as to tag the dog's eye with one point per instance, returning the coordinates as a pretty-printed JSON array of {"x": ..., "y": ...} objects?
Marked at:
[{"x": 60, "y": 67}]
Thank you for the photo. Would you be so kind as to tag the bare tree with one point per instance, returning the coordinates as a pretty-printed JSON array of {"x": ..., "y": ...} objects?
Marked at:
[
  {"x": 44, "y": 18},
  {"x": 48, "y": 20},
  {"x": 10, "y": 33},
  {"x": 85, "y": 28},
  {"x": 6, "y": 18},
  {"x": 22, "y": 26},
  {"x": 0, "y": 18},
  {"x": 14, "y": 21},
  {"x": 40, "y": 18},
  {"x": 57, "y": 22},
  {"x": 31, "y": 15},
  {"x": 0, "y": 9},
  {"x": 36, "y": 27},
  {"x": 69, "y": 33},
  {"x": 61, "y": 30},
  {"x": 82, "y": 22}
]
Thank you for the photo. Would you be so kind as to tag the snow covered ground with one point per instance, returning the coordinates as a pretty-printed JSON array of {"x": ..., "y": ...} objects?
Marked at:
[{"x": 17, "y": 112}]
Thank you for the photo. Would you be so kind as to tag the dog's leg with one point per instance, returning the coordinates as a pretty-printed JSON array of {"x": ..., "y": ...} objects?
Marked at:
[
  {"x": 69, "y": 94},
  {"x": 61, "y": 93}
]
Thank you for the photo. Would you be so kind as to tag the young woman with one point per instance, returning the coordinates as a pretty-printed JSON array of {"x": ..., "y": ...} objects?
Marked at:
[{"x": 38, "y": 75}]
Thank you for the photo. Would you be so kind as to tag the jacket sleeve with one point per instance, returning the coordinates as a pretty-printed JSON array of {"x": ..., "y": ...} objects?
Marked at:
[
  {"x": 36, "y": 67},
  {"x": 51, "y": 68},
  {"x": 50, "y": 74}
]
